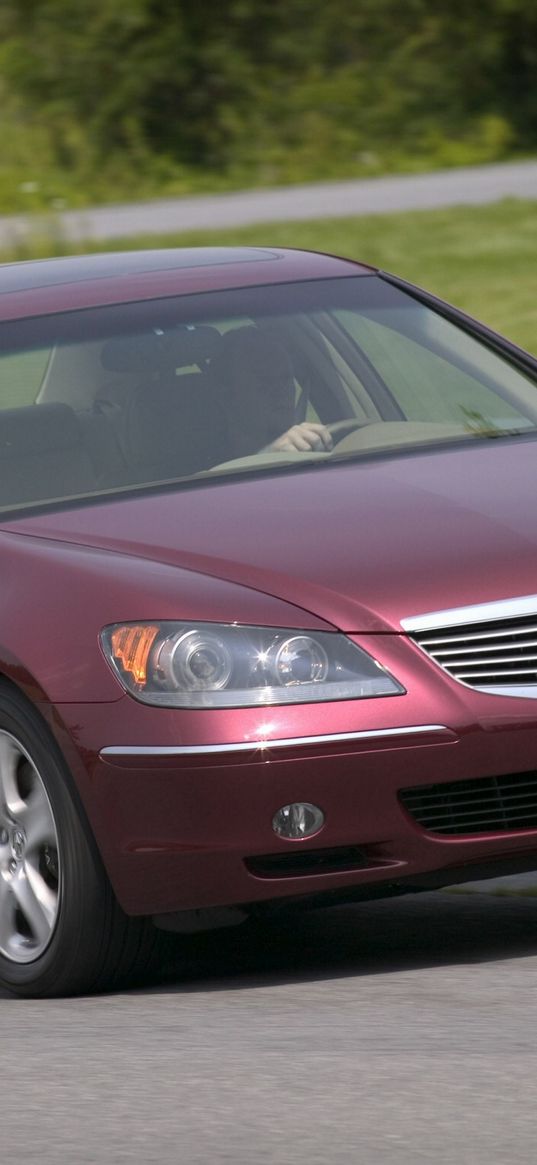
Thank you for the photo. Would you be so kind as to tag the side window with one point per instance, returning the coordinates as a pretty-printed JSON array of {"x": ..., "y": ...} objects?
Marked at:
[
  {"x": 426, "y": 385},
  {"x": 21, "y": 376}
]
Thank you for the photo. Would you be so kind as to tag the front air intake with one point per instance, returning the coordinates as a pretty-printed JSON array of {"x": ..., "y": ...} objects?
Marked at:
[
  {"x": 303, "y": 862},
  {"x": 482, "y": 805}
]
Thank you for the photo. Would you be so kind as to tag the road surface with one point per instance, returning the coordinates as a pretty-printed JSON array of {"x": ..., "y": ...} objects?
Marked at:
[
  {"x": 389, "y": 1033},
  {"x": 473, "y": 185}
]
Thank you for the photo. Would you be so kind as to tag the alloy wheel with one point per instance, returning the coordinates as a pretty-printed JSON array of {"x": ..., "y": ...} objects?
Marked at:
[{"x": 30, "y": 873}]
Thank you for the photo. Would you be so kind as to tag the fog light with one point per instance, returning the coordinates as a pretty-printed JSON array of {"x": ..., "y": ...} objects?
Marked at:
[{"x": 298, "y": 820}]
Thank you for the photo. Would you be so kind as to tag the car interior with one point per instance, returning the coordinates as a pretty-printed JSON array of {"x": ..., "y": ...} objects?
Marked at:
[{"x": 102, "y": 414}]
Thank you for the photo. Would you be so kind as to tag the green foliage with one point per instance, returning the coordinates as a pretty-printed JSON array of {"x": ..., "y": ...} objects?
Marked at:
[{"x": 126, "y": 98}]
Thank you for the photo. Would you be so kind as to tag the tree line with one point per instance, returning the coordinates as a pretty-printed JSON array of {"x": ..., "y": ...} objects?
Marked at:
[{"x": 214, "y": 91}]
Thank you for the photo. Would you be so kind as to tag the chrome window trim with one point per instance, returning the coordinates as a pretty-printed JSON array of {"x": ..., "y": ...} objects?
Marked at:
[
  {"x": 253, "y": 745},
  {"x": 476, "y": 613}
]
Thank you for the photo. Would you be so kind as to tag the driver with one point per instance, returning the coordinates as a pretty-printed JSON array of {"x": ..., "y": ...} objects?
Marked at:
[
  {"x": 307, "y": 437},
  {"x": 255, "y": 382}
]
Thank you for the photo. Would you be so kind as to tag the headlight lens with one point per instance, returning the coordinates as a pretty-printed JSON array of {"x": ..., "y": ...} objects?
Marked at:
[{"x": 207, "y": 665}]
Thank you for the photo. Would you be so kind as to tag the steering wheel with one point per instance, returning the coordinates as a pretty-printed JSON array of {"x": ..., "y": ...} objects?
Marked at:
[{"x": 339, "y": 429}]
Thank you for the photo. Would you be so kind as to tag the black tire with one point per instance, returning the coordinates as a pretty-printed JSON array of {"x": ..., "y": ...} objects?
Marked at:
[{"x": 92, "y": 944}]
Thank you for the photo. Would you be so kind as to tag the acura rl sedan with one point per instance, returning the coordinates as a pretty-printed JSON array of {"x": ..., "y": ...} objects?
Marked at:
[{"x": 268, "y": 602}]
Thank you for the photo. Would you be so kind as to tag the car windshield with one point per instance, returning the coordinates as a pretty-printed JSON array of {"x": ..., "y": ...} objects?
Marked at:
[{"x": 207, "y": 386}]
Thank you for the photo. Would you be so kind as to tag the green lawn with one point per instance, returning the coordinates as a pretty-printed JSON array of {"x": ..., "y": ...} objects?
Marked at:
[{"x": 483, "y": 259}]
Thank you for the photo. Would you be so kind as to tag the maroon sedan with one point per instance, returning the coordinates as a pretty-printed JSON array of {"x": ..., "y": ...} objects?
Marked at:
[{"x": 268, "y": 640}]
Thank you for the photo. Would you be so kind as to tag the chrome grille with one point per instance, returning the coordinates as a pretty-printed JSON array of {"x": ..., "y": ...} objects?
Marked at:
[
  {"x": 495, "y": 655},
  {"x": 480, "y": 805}
]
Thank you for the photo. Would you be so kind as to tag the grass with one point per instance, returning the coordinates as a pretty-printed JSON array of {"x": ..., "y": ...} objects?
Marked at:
[
  {"x": 33, "y": 178},
  {"x": 483, "y": 259}
]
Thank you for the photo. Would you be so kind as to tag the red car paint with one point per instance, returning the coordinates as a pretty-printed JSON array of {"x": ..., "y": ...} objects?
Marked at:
[{"x": 355, "y": 549}]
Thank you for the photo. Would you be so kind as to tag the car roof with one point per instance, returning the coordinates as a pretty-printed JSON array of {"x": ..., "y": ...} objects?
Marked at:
[{"x": 45, "y": 286}]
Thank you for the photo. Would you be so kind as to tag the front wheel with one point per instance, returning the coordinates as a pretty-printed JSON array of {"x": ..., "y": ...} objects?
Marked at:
[{"x": 61, "y": 929}]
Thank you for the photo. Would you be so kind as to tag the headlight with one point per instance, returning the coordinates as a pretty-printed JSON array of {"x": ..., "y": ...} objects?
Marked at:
[{"x": 205, "y": 665}]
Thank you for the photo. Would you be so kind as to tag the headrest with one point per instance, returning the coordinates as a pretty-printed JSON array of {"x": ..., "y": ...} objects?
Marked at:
[
  {"x": 157, "y": 351},
  {"x": 37, "y": 429},
  {"x": 248, "y": 353}
]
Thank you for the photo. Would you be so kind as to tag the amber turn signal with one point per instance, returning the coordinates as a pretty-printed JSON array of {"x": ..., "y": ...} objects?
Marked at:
[{"x": 131, "y": 646}]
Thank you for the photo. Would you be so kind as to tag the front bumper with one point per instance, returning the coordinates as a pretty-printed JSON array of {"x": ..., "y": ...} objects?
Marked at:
[{"x": 182, "y": 814}]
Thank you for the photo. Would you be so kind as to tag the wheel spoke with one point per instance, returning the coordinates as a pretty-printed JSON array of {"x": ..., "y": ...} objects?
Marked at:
[
  {"x": 36, "y": 901},
  {"x": 10, "y": 756},
  {"x": 36, "y": 818},
  {"x": 7, "y": 915}
]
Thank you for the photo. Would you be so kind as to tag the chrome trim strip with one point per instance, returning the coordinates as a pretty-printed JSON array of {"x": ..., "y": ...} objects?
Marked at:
[
  {"x": 254, "y": 745},
  {"x": 456, "y": 653},
  {"x": 439, "y": 642},
  {"x": 489, "y": 673},
  {"x": 521, "y": 691},
  {"x": 480, "y": 613}
]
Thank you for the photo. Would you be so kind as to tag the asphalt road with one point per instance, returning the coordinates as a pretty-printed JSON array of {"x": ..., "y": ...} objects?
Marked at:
[
  {"x": 472, "y": 185},
  {"x": 387, "y": 1033}
]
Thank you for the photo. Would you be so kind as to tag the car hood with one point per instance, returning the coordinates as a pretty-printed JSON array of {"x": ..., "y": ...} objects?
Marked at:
[{"x": 360, "y": 545}]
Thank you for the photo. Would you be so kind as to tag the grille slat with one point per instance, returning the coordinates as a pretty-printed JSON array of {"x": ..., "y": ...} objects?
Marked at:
[
  {"x": 473, "y": 814},
  {"x": 483, "y": 802},
  {"x": 460, "y": 635},
  {"x": 478, "y": 664},
  {"x": 479, "y": 805},
  {"x": 486, "y": 655},
  {"x": 491, "y": 649},
  {"x": 489, "y": 673}
]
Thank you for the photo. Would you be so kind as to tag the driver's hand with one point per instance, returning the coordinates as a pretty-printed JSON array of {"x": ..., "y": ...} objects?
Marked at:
[{"x": 307, "y": 437}]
